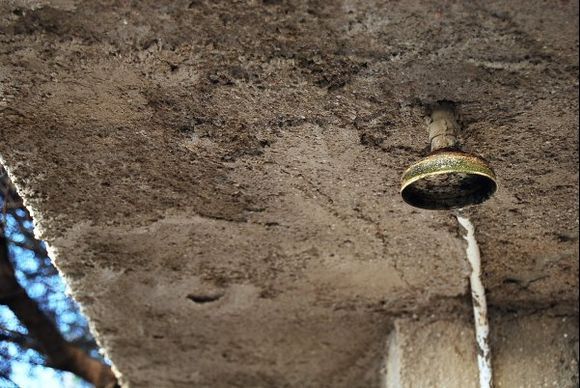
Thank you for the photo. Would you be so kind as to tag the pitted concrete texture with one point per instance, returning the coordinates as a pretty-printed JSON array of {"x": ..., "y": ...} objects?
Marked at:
[
  {"x": 220, "y": 180},
  {"x": 529, "y": 351}
]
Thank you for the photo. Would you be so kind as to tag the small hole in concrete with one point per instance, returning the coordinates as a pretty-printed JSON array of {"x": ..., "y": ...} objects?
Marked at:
[{"x": 200, "y": 299}]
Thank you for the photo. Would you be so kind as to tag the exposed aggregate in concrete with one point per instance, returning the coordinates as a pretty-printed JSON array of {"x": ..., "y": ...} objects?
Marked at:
[{"x": 251, "y": 151}]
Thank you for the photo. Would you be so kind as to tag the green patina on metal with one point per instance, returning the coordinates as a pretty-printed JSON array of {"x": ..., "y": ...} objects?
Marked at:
[
  {"x": 441, "y": 162},
  {"x": 447, "y": 180}
]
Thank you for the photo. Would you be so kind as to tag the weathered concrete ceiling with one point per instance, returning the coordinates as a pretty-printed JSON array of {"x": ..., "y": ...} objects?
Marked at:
[{"x": 220, "y": 179}]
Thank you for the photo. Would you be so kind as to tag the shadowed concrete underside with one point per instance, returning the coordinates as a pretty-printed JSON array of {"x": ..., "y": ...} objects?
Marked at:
[{"x": 219, "y": 180}]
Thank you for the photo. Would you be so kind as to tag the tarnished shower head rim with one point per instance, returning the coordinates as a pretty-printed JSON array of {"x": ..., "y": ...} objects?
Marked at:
[{"x": 446, "y": 161}]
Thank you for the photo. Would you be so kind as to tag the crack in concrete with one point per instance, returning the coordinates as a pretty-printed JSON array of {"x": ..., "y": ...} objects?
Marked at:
[{"x": 361, "y": 216}]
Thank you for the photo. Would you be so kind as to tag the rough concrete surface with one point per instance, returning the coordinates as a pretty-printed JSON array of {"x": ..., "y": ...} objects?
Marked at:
[
  {"x": 219, "y": 180},
  {"x": 416, "y": 346}
]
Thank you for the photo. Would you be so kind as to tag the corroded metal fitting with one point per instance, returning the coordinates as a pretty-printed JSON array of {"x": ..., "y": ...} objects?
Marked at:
[
  {"x": 447, "y": 178},
  {"x": 443, "y": 128}
]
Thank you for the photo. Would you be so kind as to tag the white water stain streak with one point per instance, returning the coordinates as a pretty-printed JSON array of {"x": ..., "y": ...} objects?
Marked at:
[{"x": 479, "y": 305}]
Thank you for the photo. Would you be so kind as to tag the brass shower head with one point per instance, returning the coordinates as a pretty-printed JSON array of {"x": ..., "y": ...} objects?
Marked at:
[{"x": 447, "y": 178}]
